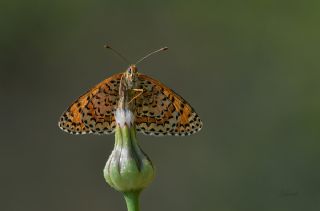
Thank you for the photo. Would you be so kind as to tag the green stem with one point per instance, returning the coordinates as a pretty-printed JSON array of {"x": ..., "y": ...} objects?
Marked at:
[{"x": 132, "y": 200}]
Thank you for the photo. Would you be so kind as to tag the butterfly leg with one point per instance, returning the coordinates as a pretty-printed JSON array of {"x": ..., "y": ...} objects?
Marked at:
[{"x": 140, "y": 91}]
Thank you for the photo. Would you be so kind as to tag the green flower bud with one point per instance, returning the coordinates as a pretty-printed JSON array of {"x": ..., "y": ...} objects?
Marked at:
[{"x": 128, "y": 168}]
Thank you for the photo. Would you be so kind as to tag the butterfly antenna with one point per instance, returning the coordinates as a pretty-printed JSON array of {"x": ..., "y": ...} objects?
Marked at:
[
  {"x": 143, "y": 58},
  {"x": 116, "y": 52}
]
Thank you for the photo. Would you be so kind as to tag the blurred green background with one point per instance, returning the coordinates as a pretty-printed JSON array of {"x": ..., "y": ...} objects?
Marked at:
[{"x": 249, "y": 68}]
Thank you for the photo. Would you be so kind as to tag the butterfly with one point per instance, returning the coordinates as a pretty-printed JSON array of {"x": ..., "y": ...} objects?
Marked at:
[{"x": 158, "y": 110}]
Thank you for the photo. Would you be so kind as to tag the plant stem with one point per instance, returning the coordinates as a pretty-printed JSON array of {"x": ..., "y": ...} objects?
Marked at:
[{"x": 132, "y": 200}]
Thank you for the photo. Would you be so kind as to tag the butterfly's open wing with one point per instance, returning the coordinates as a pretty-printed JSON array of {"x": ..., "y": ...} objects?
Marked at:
[
  {"x": 160, "y": 111},
  {"x": 93, "y": 112}
]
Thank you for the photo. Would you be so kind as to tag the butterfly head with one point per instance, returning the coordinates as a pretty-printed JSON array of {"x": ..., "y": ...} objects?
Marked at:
[{"x": 132, "y": 70}]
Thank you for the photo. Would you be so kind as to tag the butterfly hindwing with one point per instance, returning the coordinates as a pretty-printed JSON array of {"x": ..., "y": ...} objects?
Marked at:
[
  {"x": 160, "y": 111},
  {"x": 93, "y": 112}
]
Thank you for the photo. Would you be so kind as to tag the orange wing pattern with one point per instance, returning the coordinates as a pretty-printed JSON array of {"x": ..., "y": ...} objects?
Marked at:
[
  {"x": 160, "y": 111},
  {"x": 93, "y": 112}
]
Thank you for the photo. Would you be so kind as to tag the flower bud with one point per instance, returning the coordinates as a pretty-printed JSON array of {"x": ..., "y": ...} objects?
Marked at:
[{"x": 128, "y": 167}]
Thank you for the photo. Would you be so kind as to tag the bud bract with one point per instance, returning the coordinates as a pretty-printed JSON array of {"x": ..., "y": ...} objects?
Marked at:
[{"x": 128, "y": 167}]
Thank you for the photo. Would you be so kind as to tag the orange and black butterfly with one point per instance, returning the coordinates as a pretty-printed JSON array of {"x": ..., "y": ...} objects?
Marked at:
[{"x": 158, "y": 109}]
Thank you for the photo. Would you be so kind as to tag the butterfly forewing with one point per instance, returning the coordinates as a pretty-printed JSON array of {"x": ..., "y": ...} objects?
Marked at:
[
  {"x": 160, "y": 111},
  {"x": 93, "y": 112}
]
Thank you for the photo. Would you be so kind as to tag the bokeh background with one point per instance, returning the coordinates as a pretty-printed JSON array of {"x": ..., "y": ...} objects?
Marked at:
[{"x": 250, "y": 69}]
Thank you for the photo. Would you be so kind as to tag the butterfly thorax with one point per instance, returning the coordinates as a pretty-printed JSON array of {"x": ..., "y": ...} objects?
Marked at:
[{"x": 128, "y": 83}]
